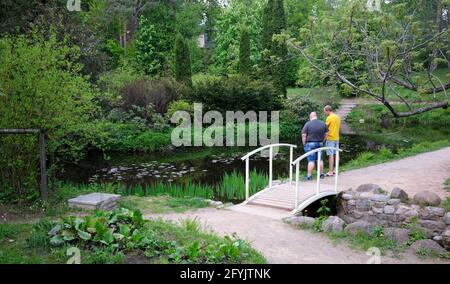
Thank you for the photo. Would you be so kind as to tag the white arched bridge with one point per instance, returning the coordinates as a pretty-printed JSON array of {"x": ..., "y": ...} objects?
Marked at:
[{"x": 293, "y": 195}]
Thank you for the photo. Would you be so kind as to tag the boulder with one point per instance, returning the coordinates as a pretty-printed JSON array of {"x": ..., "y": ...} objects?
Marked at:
[
  {"x": 431, "y": 213},
  {"x": 393, "y": 201},
  {"x": 369, "y": 187},
  {"x": 333, "y": 224},
  {"x": 446, "y": 218},
  {"x": 428, "y": 245},
  {"x": 435, "y": 226},
  {"x": 300, "y": 221},
  {"x": 379, "y": 198},
  {"x": 359, "y": 226},
  {"x": 398, "y": 193},
  {"x": 389, "y": 209},
  {"x": 399, "y": 235},
  {"x": 427, "y": 198}
]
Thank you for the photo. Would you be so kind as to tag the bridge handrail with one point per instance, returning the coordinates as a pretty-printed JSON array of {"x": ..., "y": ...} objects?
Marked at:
[
  {"x": 249, "y": 154},
  {"x": 270, "y": 147},
  {"x": 319, "y": 151},
  {"x": 315, "y": 151}
]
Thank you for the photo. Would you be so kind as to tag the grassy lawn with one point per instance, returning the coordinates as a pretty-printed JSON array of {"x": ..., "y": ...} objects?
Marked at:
[
  {"x": 163, "y": 203},
  {"x": 324, "y": 95}
]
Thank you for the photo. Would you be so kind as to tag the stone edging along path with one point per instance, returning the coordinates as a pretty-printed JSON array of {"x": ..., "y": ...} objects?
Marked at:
[{"x": 282, "y": 243}]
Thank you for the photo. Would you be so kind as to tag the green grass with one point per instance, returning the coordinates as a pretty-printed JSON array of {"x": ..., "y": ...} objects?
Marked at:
[
  {"x": 384, "y": 155},
  {"x": 446, "y": 204},
  {"x": 163, "y": 204},
  {"x": 232, "y": 186},
  {"x": 324, "y": 95},
  {"x": 447, "y": 184}
]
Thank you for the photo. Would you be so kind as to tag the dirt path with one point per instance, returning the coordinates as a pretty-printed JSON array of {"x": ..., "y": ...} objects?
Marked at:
[
  {"x": 426, "y": 171},
  {"x": 282, "y": 243}
]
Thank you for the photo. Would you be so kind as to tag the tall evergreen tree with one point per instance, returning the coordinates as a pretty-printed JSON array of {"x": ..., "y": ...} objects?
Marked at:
[
  {"x": 245, "y": 65},
  {"x": 183, "y": 72},
  {"x": 274, "y": 22}
]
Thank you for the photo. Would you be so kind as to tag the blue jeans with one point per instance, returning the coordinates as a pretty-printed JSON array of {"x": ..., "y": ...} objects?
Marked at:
[{"x": 309, "y": 146}]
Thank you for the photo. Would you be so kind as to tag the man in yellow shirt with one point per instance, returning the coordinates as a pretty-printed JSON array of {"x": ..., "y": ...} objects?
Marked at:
[{"x": 333, "y": 123}]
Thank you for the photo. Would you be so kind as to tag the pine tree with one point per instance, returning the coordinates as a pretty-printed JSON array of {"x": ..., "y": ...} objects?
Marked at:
[
  {"x": 245, "y": 65},
  {"x": 183, "y": 73}
]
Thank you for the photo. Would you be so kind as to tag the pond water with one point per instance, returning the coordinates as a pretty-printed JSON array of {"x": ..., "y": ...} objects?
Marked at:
[{"x": 195, "y": 164}]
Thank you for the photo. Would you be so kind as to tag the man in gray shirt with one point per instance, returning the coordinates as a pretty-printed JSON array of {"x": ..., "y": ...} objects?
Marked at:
[{"x": 314, "y": 134}]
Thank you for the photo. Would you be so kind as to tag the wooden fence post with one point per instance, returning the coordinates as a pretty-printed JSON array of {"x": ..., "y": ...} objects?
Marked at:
[{"x": 44, "y": 186}]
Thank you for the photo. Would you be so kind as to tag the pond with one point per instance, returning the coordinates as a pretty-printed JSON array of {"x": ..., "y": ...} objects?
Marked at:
[{"x": 201, "y": 165}]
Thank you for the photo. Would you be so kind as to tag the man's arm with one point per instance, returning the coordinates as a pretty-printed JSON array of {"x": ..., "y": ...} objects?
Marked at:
[
  {"x": 304, "y": 133},
  {"x": 303, "y": 138}
]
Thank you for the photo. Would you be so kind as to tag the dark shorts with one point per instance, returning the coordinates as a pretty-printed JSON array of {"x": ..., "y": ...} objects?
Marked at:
[{"x": 312, "y": 146}]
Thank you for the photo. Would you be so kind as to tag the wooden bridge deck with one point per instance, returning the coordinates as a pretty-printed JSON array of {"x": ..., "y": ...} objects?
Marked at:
[{"x": 283, "y": 196}]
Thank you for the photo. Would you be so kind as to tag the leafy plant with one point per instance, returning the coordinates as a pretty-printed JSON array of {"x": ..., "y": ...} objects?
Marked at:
[{"x": 323, "y": 210}]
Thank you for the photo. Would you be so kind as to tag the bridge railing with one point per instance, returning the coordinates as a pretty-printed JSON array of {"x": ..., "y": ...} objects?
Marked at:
[
  {"x": 246, "y": 158},
  {"x": 319, "y": 159}
]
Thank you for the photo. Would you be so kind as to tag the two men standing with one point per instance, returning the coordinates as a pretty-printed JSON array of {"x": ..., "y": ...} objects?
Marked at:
[{"x": 316, "y": 133}]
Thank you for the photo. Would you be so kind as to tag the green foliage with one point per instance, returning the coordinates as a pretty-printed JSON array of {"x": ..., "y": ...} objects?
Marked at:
[
  {"x": 416, "y": 232},
  {"x": 179, "y": 105},
  {"x": 232, "y": 186},
  {"x": 235, "y": 16},
  {"x": 295, "y": 114},
  {"x": 245, "y": 65},
  {"x": 317, "y": 225},
  {"x": 119, "y": 229},
  {"x": 235, "y": 93},
  {"x": 324, "y": 210},
  {"x": 446, "y": 204},
  {"x": 148, "y": 48},
  {"x": 42, "y": 89},
  {"x": 365, "y": 159},
  {"x": 273, "y": 62},
  {"x": 183, "y": 71}
]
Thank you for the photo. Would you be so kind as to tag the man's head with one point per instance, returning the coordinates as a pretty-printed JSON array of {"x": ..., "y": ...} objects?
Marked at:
[
  {"x": 312, "y": 115},
  {"x": 327, "y": 110}
]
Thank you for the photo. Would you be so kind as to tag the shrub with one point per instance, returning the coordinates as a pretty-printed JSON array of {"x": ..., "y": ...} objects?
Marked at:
[
  {"x": 295, "y": 114},
  {"x": 180, "y": 105},
  {"x": 235, "y": 93},
  {"x": 160, "y": 93}
]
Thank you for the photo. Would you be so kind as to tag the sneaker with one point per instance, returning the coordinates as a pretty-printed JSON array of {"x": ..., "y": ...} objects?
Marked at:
[
  {"x": 322, "y": 175},
  {"x": 308, "y": 178}
]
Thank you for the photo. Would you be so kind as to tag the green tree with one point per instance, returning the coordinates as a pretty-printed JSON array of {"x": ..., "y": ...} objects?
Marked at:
[
  {"x": 41, "y": 88},
  {"x": 273, "y": 63},
  {"x": 238, "y": 14},
  {"x": 149, "y": 49},
  {"x": 245, "y": 65},
  {"x": 183, "y": 72}
]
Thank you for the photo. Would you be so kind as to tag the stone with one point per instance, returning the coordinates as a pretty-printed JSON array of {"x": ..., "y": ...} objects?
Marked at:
[
  {"x": 333, "y": 224},
  {"x": 446, "y": 218},
  {"x": 362, "y": 204},
  {"x": 437, "y": 238},
  {"x": 359, "y": 226},
  {"x": 428, "y": 245},
  {"x": 379, "y": 198},
  {"x": 427, "y": 198},
  {"x": 394, "y": 201},
  {"x": 352, "y": 202},
  {"x": 214, "y": 203},
  {"x": 398, "y": 193},
  {"x": 300, "y": 221},
  {"x": 357, "y": 214},
  {"x": 389, "y": 209},
  {"x": 95, "y": 200},
  {"x": 368, "y": 187},
  {"x": 399, "y": 235},
  {"x": 377, "y": 210},
  {"x": 347, "y": 196},
  {"x": 431, "y": 213},
  {"x": 435, "y": 226}
]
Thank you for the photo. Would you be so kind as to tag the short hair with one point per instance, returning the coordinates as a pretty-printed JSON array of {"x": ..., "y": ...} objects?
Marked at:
[
  {"x": 328, "y": 108},
  {"x": 313, "y": 115}
]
